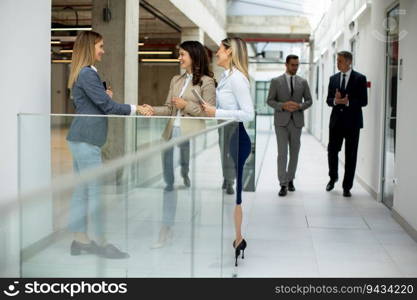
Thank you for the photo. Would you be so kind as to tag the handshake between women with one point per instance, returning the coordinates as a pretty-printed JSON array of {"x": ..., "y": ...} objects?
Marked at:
[{"x": 145, "y": 110}]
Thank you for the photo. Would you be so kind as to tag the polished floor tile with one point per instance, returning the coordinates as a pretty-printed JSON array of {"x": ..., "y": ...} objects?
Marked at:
[
  {"x": 357, "y": 268},
  {"x": 308, "y": 233}
]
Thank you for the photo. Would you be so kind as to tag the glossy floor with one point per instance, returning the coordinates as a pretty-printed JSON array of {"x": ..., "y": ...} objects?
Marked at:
[{"x": 308, "y": 233}]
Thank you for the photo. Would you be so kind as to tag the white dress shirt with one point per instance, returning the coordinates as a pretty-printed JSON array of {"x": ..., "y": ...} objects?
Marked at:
[
  {"x": 233, "y": 97},
  {"x": 346, "y": 82},
  {"x": 177, "y": 122},
  {"x": 132, "y": 107}
]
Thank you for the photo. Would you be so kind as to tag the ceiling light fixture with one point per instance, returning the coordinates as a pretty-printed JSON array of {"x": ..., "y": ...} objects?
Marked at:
[
  {"x": 61, "y": 61},
  {"x": 155, "y": 52},
  {"x": 72, "y": 29},
  {"x": 170, "y": 60}
]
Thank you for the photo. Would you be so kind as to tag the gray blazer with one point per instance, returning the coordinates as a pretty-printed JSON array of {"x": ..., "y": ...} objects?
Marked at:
[
  {"x": 90, "y": 98},
  {"x": 279, "y": 93}
]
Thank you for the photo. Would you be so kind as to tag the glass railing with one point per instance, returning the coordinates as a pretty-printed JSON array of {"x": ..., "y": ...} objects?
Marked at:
[
  {"x": 260, "y": 132},
  {"x": 264, "y": 137},
  {"x": 128, "y": 196}
]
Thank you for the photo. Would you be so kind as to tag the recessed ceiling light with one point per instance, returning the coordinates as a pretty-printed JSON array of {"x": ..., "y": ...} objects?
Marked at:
[
  {"x": 62, "y": 61},
  {"x": 160, "y": 60},
  {"x": 72, "y": 29},
  {"x": 155, "y": 52}
]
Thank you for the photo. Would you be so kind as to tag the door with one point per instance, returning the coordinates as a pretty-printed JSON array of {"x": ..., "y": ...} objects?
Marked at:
[{"x": 388, "y": 179}]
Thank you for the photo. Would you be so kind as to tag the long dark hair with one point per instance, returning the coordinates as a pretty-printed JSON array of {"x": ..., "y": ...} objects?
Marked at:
[{"x": 200, "y": 60}]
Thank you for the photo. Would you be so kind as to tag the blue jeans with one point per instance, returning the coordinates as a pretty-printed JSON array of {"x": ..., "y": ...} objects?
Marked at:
[{"x": 86, "y": 199}]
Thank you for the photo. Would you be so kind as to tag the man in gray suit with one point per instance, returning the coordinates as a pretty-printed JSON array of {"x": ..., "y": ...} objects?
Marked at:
[{"x": 289, "y": 95}]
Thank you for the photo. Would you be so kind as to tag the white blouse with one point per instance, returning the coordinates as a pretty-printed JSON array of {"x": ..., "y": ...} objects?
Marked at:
[
  {"x": 233, "y": 97},
  {"x": 188, "y": 79}
]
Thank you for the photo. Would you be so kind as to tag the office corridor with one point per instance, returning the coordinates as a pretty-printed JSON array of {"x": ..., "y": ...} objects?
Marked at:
[
  {"x": 312, "y": 232},
  {"x": 308, "y": 233}
]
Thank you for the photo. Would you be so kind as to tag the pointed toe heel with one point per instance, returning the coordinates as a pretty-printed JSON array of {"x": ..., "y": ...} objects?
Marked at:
[{"x": 241, "y": 247}]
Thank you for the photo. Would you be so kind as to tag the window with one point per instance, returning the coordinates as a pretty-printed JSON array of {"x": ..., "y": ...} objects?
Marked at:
[
  {"x": 317, "y": 81},
  {"x": 353, "y": 50},
  {"x": 261, "y": 95}
]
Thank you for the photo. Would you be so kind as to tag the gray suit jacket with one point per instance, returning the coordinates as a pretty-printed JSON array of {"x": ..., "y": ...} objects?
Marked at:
[
  {"x": 90, "y": 98},
  {"x": 279, "y": 93}
]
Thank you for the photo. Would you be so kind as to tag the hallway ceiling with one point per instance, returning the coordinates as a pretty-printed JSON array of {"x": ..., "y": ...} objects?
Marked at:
[
  {"x": 66, "y": 13},
  {"x": 313, "y": 10}
]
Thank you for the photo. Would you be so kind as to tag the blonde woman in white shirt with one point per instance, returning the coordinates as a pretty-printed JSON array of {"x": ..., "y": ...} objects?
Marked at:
[{"x": 234, "y": 101}]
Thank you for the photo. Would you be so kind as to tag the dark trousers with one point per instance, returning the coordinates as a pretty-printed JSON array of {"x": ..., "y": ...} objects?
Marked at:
[
  {"x": 228, "y": 165},
  {"x": 168, "y": 159},
  {"x": 240, "y": 148},
  {"x": 169, "y": 207},
  {"x": 336, "y": 137}
]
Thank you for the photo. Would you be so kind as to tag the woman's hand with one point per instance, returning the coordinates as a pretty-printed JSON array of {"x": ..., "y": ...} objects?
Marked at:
[
  {"x": 145, "y": 110},
  {"x": 109, "y": 92},
  {"x": 209, "y": 110},
  {"x": 179, "y": 103}
]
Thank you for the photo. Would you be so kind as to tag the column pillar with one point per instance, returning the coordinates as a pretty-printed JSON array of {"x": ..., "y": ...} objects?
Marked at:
[
  {"x": 192, "y": 34},
  {"x": 121, "y": 36},
  {"x": 119, "y": 67}
]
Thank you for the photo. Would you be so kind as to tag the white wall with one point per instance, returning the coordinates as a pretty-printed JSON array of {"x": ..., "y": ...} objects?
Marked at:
[
  {"x": 405, "y": 199},
  {"x": 25, "y": 87}
]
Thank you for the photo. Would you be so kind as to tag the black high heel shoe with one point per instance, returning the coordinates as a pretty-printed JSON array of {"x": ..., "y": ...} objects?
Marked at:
[{"x": 241, "y": 247}]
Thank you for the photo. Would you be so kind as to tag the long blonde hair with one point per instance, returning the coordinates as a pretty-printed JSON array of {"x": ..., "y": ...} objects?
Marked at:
[
  {"x": 239, "y": 54},
  {"x": 83, "y": 53}
]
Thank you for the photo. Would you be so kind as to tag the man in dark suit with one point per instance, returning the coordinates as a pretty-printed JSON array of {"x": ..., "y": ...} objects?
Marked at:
[{"x": 347, "y": 95}]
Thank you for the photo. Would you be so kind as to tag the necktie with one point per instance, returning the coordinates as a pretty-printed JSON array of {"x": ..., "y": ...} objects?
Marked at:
[
  {"x": 292, "y": 87},
  {"x": 343, "y": 87}
]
